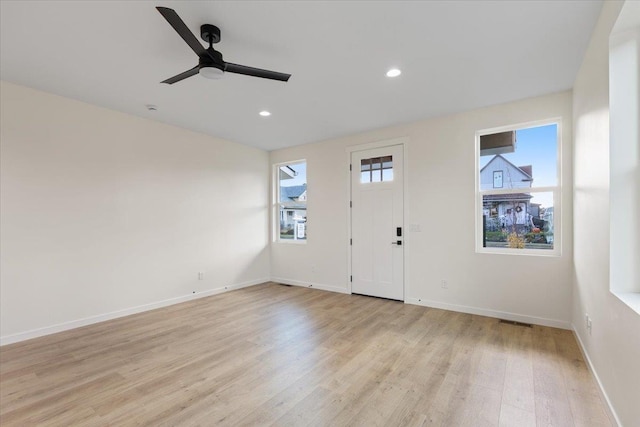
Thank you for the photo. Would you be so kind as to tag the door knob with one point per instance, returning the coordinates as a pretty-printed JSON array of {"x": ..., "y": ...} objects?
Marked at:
[{"x": 397, "y": 242}]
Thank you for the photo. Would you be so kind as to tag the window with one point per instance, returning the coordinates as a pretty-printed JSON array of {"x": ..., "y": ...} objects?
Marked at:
[
  {"x": 497, "y": 179},
  {"x": 290, "y": 204},
  {"x": 376, "y": 169},
  {"x": 518, "y": 190}
]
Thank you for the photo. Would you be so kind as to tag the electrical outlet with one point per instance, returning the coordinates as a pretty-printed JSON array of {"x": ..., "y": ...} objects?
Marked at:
[
  {"x": 200, "y": 275},
  {"x": 444, "y": 284},
  {"x": 589, "y": 323}
]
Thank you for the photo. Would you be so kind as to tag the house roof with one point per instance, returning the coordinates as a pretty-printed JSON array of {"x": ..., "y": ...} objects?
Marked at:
[
  {"x": 528, "y": 169},
  {"x": 498, "y": 143},
  {"x": 288, "y": 194},
  {"x": 512, "y": 197},
  {"x": 286, "y": 172},
  {"x": 293, "y": 206}
]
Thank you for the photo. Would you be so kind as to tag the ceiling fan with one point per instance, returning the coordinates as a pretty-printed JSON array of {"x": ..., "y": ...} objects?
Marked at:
[{"x": 210, "y": 63}]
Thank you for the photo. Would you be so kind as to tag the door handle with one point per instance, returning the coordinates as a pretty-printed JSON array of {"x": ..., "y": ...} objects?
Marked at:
[{"x": 397, "y": 242}]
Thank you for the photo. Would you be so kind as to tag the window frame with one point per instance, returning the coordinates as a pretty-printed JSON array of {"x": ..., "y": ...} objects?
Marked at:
[
  {"x": 275, "y": 202},
  {"x": 555, "y": 190}
]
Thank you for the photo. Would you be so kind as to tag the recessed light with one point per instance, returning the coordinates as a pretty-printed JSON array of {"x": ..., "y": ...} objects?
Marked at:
[
  {"x": 394, "y": 72},
  {"x": 265, "y": 113}
]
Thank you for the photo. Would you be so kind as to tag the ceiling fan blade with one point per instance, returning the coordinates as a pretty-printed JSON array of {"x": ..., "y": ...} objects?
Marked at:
[
  {"x": 255, "y": 72},
  {"x": 182, "y": 76},
  {"x": 181, "y": 28}
]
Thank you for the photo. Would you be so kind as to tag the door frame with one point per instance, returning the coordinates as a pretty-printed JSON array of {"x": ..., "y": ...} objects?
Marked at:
[{"x": 404, "y": 142}]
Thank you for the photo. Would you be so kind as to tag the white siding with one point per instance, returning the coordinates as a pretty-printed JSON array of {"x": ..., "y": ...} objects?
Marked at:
[{"x": 512, "y": 177}]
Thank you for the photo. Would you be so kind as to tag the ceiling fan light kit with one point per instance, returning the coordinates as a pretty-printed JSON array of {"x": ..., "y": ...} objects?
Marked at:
[
  {"x": 211, "y": 65},
  {"x": 212, "y": 73}
]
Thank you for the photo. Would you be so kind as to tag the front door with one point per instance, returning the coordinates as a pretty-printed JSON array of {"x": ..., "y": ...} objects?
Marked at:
[{"x": 377, "y": 229}]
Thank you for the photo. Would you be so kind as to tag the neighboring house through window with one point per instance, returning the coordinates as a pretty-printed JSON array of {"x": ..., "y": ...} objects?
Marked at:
[
  {"x": 518, "y": 189},
  {"x": 291, "y": 196}
]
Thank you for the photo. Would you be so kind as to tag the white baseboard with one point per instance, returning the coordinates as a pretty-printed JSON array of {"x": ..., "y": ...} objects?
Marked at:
[
  {"x": 523, "y": 318},
  {"x": 610, "y": 411},
  {"x": 65, "y": 326},
  {"x": 445, "y": 306},
  {"x": 310, "y": 285}
]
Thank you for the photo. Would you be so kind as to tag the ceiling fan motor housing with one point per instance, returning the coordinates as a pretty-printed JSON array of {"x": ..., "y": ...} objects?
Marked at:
[
  {"x": 214, "y": 59},
  {"x": 210, "y": 33}
]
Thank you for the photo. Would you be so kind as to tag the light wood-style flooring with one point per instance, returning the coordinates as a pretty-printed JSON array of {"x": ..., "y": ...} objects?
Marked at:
[{"x": 291, "y": 356}]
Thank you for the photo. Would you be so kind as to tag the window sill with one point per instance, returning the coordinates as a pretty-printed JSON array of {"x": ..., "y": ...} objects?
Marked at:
[
  {"x": 292, "y": 242},
  {"x": 631, "y": 299},
  {"x": 521, "y": 252}
]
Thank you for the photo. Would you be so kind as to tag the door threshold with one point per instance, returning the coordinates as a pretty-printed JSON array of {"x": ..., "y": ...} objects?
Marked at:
[{"x": 373, "y": 296}]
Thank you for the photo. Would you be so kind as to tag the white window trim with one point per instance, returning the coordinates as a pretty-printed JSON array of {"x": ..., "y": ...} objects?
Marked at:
[
  {"x": 623, "y": 110},
  {"x": 556, "y": 190},
  {"x": 275, "y": 203}
]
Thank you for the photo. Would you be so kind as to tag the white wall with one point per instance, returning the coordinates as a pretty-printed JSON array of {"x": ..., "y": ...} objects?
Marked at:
[
  {"x": 441, "y": 199},
  {"x": 105, "y": 214},
  {"x": 613, "y": 345}
]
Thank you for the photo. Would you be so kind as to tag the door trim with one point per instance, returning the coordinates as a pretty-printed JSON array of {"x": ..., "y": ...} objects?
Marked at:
[{"x": 404, "y": 142}]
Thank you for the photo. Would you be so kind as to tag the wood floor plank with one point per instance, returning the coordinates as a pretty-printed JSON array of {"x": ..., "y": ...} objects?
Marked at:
[
  {"x": 519, "y": 389},
  {"x": 278, "y": 355},
  {"x": 514, "y": 416}
]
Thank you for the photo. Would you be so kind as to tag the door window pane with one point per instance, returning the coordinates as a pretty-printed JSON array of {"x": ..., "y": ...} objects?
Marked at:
[{"x": 376, "y": 169}]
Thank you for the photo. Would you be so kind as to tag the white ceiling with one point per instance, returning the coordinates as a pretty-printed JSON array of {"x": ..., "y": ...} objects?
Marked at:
[{"x": 454, "y": 56}]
